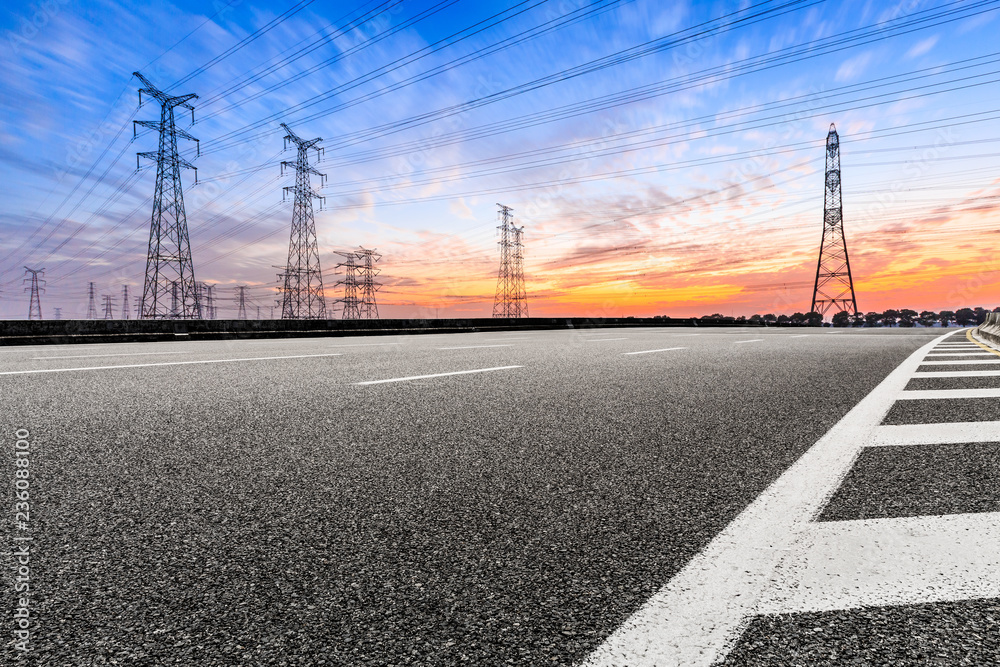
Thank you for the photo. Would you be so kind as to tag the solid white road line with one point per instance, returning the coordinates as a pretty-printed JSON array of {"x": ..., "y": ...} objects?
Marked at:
[
  {"x": 755, "y": 340},
  {"x": 952, "y": 433},
  {"x": 665, "y": 349},
  {"x": 952, "y": 362},
  {"x": 599, "y": 340},
  {"x": 881, "y": 562},
  {"x": 799, "y": 336},
  {"x": 959, "y": 354},
  {"x": 939, "y": 394},
  {"x": 471, "y": 347},
  {"x": 438, "y": 375},
  {"x": 166, "y": 363},
  {"x": 956, "y": 374},
  {"x": 498, "y": 339},
  {"x": 124, "y": 354},
  {"x": 695, "y": 618}
]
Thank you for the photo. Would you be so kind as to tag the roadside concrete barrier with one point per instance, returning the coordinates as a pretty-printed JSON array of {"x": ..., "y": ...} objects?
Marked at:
[{"x": 989, "y": 331}]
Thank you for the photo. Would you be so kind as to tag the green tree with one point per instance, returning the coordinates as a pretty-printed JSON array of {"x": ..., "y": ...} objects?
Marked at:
[
  {"x": 980, "y": 314},
  {"x": 771, "y": 318},
  {"x": 814, "y": 319},
  {"x": 964, "y": 317},
  {"x": 857, "y": 320},
  {"x": 945, "y": 317},
  {"x": 928, "y": 318},
  {"x": 783, "y": 319},
  {"x": 841, "y": 319},
  {"x": 873, "y": 319},
  {"x": 890, "y": 317},
  {"x": 798, "y": 318},
  {"x": 756, "y": 319},
  {"x": 907, "y": 317}
]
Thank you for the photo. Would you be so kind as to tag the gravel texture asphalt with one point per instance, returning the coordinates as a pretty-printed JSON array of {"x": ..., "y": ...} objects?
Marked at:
[{"x": 273, "y": 512}]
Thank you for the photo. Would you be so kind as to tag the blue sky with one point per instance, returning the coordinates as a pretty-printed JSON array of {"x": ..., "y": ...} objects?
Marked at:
[{"x": 700, "y": 191}]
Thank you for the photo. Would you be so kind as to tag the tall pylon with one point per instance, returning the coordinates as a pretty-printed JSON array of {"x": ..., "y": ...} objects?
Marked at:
[
  {"x": 367, "y": 307},
  {"x": 208, "y": 301},
  {"x": 35, "y": 304},
  {"x": 302, "y": 279},
  {"x": 58, "y": 315},
  {"x": 125, "y": 303},
  {"x": 241, "y": 302},
  {"x": 351, "y": 301},
  {"x": 109, "y": 313},
  {"x": 168, "y": 261},
  {"x": 91, "y": 304},
  {"x": 511, "y": 299},
  {"x": 834, "y": 289}
]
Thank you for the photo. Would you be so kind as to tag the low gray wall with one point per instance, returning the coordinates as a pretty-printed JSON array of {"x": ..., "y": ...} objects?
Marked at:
[
  {"x": 989, "y": 331},
  {"x": 24, "y": 332}
]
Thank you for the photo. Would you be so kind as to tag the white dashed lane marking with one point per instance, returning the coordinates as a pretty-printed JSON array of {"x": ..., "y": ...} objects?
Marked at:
[{"x": 665, "y": 349}]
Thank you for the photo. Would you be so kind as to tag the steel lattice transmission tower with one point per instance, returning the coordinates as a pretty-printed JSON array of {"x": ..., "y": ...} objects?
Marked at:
[
  {"x": 834, "y": 288},
  {"x": 302, "y": 279},
  {"x": 168, "y": 261},
  {"x": 241, "y": 302},
  {"x": 367, "y": 307},
  {"x": 37, "y": 286},
  {"x": 91, "y": 305},
  {"x": 511, "y": 298},
  {"x": 109, "y": 304},
  {"x": 125, "y": 303},
  {"x": 351, "y": 301}
]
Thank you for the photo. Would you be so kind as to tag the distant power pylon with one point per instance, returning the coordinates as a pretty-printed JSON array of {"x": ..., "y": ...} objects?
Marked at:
[
  {"x": 367, "y": 307},
  {"x": 58, "y": 314},
  {"x": 241, "y": 302},
  {"x": 169, "y": 269},
  {"x": 35, "y": 305},
  {"x": 302, "y": 279},
  {"x": 834, "y": 288},
  {"x": 109, "y": 313},
  {"x": 351, "y": 302},
  {"x": 91, "y": 304},
  {"x": 208, "y": 301},
  {"x": 125, "y": 303},
  {"x": 511, "y": 299}
]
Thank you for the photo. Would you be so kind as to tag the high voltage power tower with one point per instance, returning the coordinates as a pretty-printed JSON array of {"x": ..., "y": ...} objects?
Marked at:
[
  {"x": 368, "y": 308},
  {"x": 91, "y": 305},
  {"x": 169, "y": 269},
  {"x": 302, "y": 280},
  {"x": 109, "y": 304},
  {"x": 351, "y": 303},
  {"x": 834, "y": 289},
  {"x": 35, "y": 304},
  {"x": 241, "y": 302},
  {"x": 125, "y": 303},
  {"x": 511, "y": 298},
  {"x": 359, "y": 284}
]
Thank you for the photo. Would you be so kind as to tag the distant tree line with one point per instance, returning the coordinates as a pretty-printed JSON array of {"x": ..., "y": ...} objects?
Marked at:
[{"x": 962, "y": 317}]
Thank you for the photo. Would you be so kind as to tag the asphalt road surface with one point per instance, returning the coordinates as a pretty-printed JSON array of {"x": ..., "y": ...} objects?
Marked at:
[{"x": 607, "y": 497}]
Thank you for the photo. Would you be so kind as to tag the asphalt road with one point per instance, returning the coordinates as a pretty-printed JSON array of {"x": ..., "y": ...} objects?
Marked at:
[{"x": 250, "y": 503}]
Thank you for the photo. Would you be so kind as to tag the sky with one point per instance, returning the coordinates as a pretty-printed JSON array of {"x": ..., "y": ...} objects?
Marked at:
[{"x": 664, "y": 158}]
